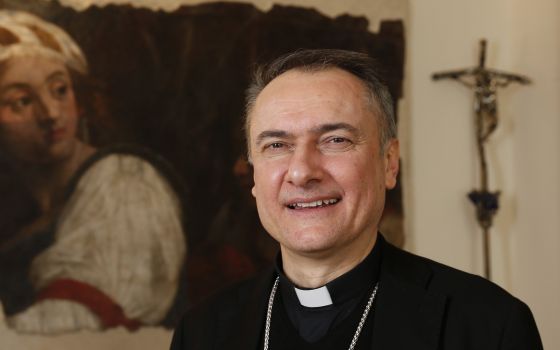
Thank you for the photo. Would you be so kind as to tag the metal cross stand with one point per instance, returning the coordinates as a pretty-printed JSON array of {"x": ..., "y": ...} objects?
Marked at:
[{"x": 485, "y": 83}]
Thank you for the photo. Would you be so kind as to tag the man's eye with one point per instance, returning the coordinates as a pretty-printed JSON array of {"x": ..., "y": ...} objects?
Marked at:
[
  {"x": 275, "y": 148},
  {"x": 338, "y": 140},
  {"x": 337, "y": 143}
]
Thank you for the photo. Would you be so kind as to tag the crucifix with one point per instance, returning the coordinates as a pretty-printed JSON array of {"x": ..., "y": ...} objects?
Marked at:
[{"x": 484, "y": 82}]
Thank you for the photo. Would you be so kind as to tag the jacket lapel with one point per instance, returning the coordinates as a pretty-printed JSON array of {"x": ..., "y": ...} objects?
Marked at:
[{"x": 407, "y": 315}]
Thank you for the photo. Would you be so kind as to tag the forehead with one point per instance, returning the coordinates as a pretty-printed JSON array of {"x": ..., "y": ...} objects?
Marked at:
[
  {"x": 299, "y": 99},
  {"x": 29, "y": 69}
]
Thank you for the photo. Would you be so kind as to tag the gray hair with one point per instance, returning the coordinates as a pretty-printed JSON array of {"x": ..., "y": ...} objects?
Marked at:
[{"x": 315, "y": 60}]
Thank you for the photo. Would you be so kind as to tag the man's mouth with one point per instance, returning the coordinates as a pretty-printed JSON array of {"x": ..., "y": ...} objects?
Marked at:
[{"x": 314, "y": 204}]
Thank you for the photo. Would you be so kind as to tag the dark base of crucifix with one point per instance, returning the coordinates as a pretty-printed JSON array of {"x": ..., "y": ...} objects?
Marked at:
[{"x": 486, "y": 204}]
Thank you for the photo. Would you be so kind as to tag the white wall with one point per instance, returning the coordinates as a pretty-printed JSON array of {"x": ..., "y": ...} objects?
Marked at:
[{"x": 441, "y": 164}]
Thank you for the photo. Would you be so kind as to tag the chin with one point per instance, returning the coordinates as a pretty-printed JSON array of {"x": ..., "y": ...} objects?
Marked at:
[{"x": 311, "y": 242}]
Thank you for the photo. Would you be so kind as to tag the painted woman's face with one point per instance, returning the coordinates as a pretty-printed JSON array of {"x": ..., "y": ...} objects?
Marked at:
[{"x": 38, "y": 112}]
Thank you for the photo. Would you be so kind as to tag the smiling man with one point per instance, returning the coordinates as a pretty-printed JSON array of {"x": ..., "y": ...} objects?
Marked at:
[{"x": 322, "y": 140}]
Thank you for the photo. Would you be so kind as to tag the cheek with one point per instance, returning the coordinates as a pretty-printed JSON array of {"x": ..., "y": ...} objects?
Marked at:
[
  {"x": 268, "y": 177},
  {"x": 351, "y": 173},
  {"x": 359, "y": 178},
  {"x": 260, "y": 183},
  {"x": 18, "y": 131}
]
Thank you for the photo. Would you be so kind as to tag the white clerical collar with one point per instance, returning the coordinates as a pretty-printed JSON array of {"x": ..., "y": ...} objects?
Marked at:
[{"x": 314, "y": 297}]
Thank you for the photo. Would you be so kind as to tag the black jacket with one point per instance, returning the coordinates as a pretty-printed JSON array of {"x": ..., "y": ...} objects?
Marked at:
[{"x": 421, "y": 305}]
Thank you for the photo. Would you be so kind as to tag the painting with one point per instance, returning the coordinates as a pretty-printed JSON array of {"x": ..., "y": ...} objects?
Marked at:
[{"x": 156, "y": 213}]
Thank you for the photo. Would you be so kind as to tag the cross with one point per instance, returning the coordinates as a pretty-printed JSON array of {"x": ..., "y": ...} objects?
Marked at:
[{"x": 484, "y": 82}]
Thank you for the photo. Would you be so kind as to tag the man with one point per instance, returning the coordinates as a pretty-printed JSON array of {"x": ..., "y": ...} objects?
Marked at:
[{"x": 322, "y": 140}]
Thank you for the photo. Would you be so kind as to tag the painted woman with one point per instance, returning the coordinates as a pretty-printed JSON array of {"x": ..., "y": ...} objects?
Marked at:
[{"x": 89, "y": 238}]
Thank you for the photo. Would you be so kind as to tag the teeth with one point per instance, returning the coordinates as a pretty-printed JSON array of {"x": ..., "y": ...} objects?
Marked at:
[{"x": 314, "y": 204}]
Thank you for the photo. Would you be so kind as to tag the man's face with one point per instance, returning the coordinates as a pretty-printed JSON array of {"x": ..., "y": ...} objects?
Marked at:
[{"x": 320, "y": 177}]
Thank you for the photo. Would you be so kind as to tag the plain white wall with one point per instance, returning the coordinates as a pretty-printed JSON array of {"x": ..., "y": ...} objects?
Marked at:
[{"x": 524, "y": 160}]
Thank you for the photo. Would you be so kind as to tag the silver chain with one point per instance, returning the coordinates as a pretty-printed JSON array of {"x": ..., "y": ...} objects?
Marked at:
[
  {"x": 356, "y": 334},
  {"x": 269, "y": 313}
]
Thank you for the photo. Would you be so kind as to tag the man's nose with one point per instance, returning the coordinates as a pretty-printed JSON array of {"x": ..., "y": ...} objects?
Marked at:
[{"x": 305, "y": 166}]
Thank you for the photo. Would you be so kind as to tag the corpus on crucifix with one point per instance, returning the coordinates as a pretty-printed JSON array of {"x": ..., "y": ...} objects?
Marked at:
[{"x": 484, "y": 82}]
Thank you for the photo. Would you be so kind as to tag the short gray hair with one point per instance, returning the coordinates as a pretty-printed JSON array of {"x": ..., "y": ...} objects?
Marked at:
[{"x": 315, "y": 60}]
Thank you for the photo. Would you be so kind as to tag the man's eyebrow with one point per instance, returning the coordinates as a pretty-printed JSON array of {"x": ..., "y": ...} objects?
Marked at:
[
  {"x": 271, "y": 134},
  {"x": 321, "y": 129}
]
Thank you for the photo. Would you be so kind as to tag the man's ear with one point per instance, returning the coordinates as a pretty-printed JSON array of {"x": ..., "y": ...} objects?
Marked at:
[
  {"x": 391, "y": 155},
  {"x": 250, "y": 162}
]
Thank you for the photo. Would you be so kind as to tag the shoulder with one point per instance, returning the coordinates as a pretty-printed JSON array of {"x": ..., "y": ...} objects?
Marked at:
[
  {"x": 127, "y": 164},
  {"x": 227, "y": 302},
  {"x": 474, "y": 307},
  {"x": 122, "y": 160},
  {"x": 220, "y": 316},
  {"x": 442, "y": 279},
  {"x": 125, "y": 183}
]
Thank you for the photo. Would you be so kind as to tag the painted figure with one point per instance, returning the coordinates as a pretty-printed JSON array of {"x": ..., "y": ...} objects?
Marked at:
[{"x": 89, "y": 238}]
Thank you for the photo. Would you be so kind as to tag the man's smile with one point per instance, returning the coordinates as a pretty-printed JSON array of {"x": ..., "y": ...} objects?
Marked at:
[{"x": 313, "y": 204}]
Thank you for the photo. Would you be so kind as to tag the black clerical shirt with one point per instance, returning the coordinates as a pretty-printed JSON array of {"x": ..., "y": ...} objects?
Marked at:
[{"x": 346, "y": 292}]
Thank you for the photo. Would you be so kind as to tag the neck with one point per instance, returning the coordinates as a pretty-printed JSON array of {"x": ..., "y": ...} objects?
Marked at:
[
  {"x": 309, "y": 271},
  {"x": 48, "y": 181}
]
